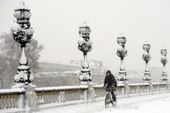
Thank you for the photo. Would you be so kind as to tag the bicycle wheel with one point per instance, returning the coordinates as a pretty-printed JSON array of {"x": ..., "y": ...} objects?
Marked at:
[
  {"x": 107, "y": 100},
  {"x": 114, "y": 101}
]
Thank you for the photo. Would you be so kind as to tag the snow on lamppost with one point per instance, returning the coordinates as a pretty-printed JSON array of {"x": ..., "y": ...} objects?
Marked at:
[
  {"x": 164, "y": 62},
  {"x": 22, "y": 33},
  {"x": 146, "y": 57},
  {"x": 85, "y": 45},
  {"x": 122, "y": 52}
]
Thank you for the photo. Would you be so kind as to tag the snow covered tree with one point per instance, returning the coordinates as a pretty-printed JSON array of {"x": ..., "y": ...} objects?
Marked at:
[{"x": 10, "y": 53}]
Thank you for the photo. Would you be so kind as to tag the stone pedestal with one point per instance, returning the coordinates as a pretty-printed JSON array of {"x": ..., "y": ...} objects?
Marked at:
[
  {"x": 90, "y": 92},
  {"x": 147, "y": 76},
  {"x": 29, "y": 100},
  {"x": 150, "y": 87},
  {"x": 126, "y": 92}
]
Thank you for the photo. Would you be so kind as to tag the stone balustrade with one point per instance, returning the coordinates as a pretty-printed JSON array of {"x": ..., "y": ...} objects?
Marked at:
[
  {"x": 60, "y": 94},
  {"x": 11, "y": 99}
]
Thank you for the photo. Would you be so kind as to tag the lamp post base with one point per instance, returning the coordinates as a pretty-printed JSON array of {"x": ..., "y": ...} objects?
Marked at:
[
  {"x": 147, "y": 76},
  {"x": 23, "y": 85},
  {"x": 164, "y": 76},
  {"x": 163, "y": 79},
  {"x": 122, "y": 76},
  {"x": 30, "y": 102},
  {"x": 85, "y": 76}
]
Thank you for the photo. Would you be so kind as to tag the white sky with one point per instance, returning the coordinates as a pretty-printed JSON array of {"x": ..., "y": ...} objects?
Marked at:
[{"x": 56, "y": 25}]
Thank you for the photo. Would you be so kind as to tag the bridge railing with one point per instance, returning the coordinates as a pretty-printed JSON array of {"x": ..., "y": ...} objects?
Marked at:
[
  {"x": 12, "y": 98},
  {"x": 53, "y": 96},
  {"x": 160, "y": 87},
  {"x": 60, "y": 94}
]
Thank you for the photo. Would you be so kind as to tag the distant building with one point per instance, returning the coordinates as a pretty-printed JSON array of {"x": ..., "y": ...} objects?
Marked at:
[
  {"x": 75, "y": 62},
  {"x": 92, "y": 63}
]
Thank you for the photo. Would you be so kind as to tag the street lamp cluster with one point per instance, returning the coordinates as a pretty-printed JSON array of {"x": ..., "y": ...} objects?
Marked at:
[
  {"x": 164, "y": 62},
  {"x": 122, "y": 52},
  {"x": 22, "y": 33},
  {"x": 146, "y": 57},
  {"x": 85, "y": 45}
]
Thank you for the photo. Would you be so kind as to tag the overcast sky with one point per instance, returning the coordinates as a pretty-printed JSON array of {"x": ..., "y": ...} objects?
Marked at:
[{"x": 56, "y": 23}]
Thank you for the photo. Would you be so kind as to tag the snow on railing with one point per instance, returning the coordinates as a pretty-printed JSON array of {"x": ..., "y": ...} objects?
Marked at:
[
  {"x": 12, "y": 91},
  {"x": 15, "y": 98},
  {"x": 60, "y": 94},
  {"x": 60, "y": 88},
  {"x": 9, "y": 97}
]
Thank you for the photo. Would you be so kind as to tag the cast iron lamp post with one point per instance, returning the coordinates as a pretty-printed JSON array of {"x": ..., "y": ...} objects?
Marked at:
[
  {"x": 146, "y": 57},
  {"x": 122, "y": 52},
  {"x": 85, "y": 45},
  {"x": 164, "y": 62},
  {"x": 22, "y": 34}
]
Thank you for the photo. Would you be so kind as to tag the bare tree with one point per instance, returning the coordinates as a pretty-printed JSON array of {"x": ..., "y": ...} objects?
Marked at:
[{"x": 10, "y": 53}]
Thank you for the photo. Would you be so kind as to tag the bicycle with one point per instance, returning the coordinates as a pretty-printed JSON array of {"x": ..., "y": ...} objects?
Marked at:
[{"x": 109, "y": 100}]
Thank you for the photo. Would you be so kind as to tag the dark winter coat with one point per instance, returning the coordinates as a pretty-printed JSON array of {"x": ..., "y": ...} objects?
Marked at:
[{"x": 110, "y": 82}]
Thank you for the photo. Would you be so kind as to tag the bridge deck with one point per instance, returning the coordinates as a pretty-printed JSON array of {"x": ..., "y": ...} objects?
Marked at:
[{"x": 157, "y": 103}]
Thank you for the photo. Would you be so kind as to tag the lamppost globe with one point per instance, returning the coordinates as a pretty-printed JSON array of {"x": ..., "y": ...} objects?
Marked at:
[
  {"x": 163, "y": 52},
  {"x": 80, "y": 42},
  {"x": 29, "y": 32},
  {"x": 15, "y": 28}
]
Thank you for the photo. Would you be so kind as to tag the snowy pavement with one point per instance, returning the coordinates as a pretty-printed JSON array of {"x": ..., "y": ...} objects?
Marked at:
[{"x": 157, "y": 103}]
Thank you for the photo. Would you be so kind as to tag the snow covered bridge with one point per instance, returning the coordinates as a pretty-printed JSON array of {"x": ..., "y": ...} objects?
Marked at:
[
  {"x": 157, "y": 103},
  {"x": 81, "y": 98}
]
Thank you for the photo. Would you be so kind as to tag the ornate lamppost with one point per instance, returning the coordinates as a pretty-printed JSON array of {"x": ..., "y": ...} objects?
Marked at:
[
  {"x": 22, "y": 34},
  {"x": 85, "y": 45},
  {"x": 146, "y": 57},
  {"x": 122, "y": 52},
  {"x": 164, "y": 62}
]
